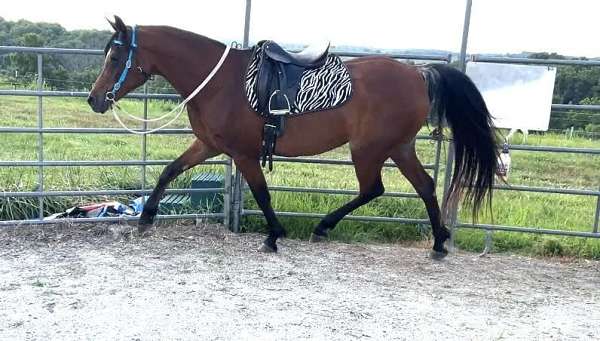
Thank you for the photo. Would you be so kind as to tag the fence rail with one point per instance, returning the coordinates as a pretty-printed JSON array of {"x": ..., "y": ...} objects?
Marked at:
[
  {"x": 233, "y": 188},
  {"x": 89, "y": 131},
  {"x": 5, "y": 223},
  {"x": 55, "y": 93},
  {"x": 532, "y": 61},
  {"x": 87, "y": 163}
]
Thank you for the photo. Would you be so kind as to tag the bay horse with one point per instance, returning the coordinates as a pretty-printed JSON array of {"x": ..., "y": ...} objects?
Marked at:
[{"x": 389, "y": 105}]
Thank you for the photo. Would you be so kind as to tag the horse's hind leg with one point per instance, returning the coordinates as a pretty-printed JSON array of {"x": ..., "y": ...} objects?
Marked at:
[
  {"x": 406, "y": 159},
  {"x": 196, "y": 153},
  {"x": 368, "y": 171}
]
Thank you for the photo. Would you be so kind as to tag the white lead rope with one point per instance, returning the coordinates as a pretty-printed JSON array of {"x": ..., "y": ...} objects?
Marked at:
[{"x": 179, "y": 108}]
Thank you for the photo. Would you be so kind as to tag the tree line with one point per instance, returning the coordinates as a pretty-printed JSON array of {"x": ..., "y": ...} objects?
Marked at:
[
  {"x": 574, "y": 84},
  {"x": 60, "y": 72}
]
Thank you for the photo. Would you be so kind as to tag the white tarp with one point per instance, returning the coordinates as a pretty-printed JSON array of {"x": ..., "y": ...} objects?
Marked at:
[{"x": 518, "y": 96}]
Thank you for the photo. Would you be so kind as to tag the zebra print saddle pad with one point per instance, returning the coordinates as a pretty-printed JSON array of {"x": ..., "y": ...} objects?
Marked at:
[{"x": 326, "y": 87}]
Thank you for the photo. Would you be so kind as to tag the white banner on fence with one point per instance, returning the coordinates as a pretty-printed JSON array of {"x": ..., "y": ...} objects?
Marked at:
[{"x": 518, "y": 96}]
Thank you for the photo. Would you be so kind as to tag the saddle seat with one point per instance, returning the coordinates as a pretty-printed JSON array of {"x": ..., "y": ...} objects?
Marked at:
[{"x": 312, "y": 56}]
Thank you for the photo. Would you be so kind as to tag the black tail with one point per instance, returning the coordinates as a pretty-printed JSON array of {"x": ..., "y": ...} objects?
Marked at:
[{"x": 456, "y": 98}]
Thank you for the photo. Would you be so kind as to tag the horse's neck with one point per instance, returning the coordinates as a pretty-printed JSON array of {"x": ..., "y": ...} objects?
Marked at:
[{"x": 183, "y": 61}]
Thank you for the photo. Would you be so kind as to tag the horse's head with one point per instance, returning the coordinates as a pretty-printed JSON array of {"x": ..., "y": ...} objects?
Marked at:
[{"x": 123, "y": 68}]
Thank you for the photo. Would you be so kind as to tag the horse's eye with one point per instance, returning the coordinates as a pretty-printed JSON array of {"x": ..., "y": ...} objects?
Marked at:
[{"x": 114, "y": 59}]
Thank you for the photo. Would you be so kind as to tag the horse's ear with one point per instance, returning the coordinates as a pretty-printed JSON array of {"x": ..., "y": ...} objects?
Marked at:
[
  {"x": 119, "y": 25},
  {"x": 112, "y": 24}
]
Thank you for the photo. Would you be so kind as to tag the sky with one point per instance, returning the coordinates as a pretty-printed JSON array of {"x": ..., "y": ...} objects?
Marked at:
[{"x": 569, "y": 27}]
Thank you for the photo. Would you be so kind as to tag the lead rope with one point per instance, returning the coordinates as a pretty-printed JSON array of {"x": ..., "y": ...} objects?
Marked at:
[{"x": 179, "y": 108}]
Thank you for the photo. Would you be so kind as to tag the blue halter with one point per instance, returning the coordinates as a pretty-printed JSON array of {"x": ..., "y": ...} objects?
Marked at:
[{"x": 132, "y": 46}]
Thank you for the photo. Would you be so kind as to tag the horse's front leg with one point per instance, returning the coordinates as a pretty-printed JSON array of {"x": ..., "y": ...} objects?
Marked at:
[
  {"x": 197, "y": 153},
  {"x": 253, "y": 174}
]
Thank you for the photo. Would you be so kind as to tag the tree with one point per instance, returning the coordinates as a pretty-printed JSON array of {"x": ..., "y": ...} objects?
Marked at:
[{"x": 59, "y": 71}]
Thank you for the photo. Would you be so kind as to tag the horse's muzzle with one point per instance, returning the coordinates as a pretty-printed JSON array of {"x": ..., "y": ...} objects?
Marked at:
[{"x": 98, "y": 104}]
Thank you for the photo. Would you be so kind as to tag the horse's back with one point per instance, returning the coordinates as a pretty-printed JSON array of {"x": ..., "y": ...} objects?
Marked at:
[
  {"x": 394, "y": 91},
  {"x": 380, "y": 71}
]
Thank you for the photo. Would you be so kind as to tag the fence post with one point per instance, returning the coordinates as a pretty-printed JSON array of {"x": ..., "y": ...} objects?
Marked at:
[
  {"x": 238, "y": 205},
  {"x": 462, "y": 63},
  {"x": 227, "y": 196},
  {"x": 144, "y": 141},
  {"x": 40, "y": 119},
  {"x": 436, "y": 170},
  {"x": 597, "y": 217},
  {"x": 238, "y": 181},
  {"x": 247, "y": 23},
  {"x": 452, "y": 207},
  {"x": 448, "y": 214}
]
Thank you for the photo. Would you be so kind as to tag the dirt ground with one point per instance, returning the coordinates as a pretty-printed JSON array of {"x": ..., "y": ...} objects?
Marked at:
[{"x": 95, "y": 282}]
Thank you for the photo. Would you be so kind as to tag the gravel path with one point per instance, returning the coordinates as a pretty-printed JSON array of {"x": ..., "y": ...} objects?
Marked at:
[{"x": 204, "y": 283}]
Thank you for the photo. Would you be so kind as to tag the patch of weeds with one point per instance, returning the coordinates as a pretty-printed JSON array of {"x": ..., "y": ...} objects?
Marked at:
[{"x": 551, "y": 248}]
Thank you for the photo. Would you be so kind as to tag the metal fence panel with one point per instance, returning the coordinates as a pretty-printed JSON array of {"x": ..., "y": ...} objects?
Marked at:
[{"x": 233, "y": 190}]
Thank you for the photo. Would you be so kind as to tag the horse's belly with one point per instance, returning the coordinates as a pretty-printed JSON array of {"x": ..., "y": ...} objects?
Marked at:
[{"x": 312, "y": 134}]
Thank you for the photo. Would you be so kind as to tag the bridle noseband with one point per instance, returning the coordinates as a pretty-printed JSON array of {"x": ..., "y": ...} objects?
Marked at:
[{"x": 110, "y": 95}]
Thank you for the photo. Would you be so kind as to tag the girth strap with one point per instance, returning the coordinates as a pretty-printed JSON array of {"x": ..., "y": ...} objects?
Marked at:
[{"x": 269, "y": 141}]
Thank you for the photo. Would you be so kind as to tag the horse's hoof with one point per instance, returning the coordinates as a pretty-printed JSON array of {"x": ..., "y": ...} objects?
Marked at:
[
  {"x": 439, "y": 255},
  {"x": 267, "y": 249},
  {"x": 315, "y": 238},
  {"x": 144, "y": 230}
]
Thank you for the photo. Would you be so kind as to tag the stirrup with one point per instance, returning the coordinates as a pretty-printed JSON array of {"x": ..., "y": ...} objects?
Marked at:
[{"x": 279, "y": 112}]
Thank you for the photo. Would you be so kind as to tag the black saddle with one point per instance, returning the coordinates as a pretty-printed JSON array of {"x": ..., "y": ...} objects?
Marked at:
[
  {"x": 277, "y": 83},
  {"x": 309, "y": 57},
  {"x": 279, "y": 74}
]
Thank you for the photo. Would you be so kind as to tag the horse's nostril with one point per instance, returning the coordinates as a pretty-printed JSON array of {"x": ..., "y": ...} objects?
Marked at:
[{"x": 91, "y": 100}]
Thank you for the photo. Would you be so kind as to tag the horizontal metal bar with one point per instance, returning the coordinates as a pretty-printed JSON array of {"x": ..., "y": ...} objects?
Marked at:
[
  {"x": 85, "y": 94},
  {"x": 528, "y": 230},
  {"x": 166, "y": 131},
  {"x": 531, "y": 61},
  {"x": 90, "y": 131},
  {"x": 568, "y": 107},
  {"x": 426, "y": 222},
  {"x": 46, "y": 50},
  {"x": 348, "y": 217},
  {"x": 555, "y": 149},
  {"x": 8, "y": 223},
  {"x": 98, "y": 163},
  {"x": 105, "y": 192},
  {"x": 336, "y": 191},
  {"x": 548, "y": 190},
  {"x": 410, "y": 56},
  {"x": 332, "y": 161}
]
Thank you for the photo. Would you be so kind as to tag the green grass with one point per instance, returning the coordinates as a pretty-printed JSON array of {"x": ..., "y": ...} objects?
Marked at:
[{"x": 552, "y": 211}]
